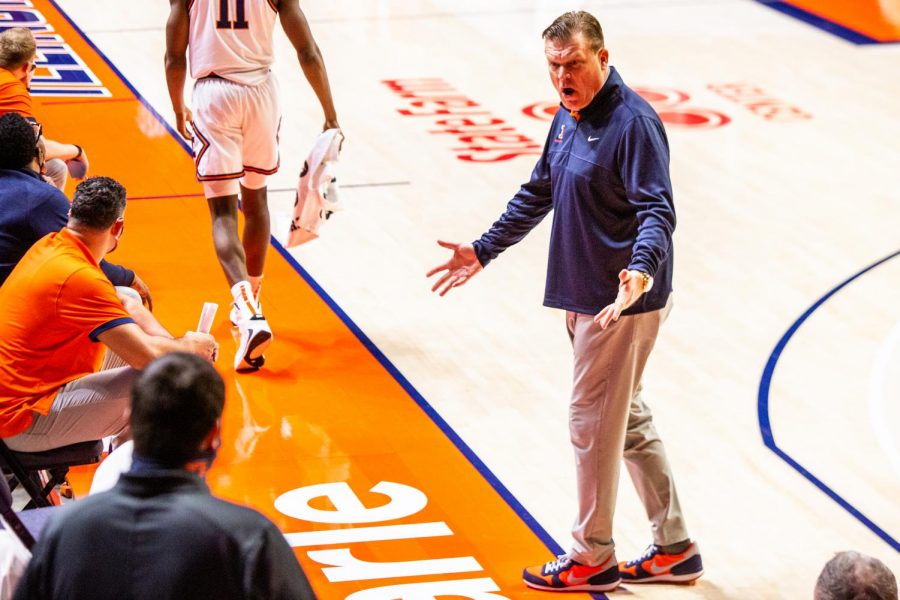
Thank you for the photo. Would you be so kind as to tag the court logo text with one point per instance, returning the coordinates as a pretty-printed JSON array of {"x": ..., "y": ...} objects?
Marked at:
[{"x": 483, "y": 137}]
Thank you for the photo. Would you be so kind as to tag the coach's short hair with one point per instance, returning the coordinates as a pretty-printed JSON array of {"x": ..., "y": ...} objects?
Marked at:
[
  {"x": 174, "y": 404},
  {"x": 854, "y": 576},
  {"x": 98, "y": 202},
  {"x": 569, "y": 24},
  {"x": 17, "y": 142},
  {"x": 17, "y": 47}
]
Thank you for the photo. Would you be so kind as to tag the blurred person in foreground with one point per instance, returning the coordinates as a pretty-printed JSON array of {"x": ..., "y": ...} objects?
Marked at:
[{"x": 159, "y": 534}]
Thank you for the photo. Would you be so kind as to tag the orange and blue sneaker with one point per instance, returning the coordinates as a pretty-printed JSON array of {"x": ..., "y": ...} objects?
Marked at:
[
  {"x": 567, "y": 575},
  {"x": 655, "y": 566}
]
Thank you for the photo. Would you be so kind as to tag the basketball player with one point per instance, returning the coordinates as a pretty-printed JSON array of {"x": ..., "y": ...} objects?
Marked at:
[{"x": 234, "y": 130}]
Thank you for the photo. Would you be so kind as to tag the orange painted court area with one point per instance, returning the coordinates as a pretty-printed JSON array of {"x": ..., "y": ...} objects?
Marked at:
[
  {"x": 324, "y": 410},
  {"x": 878, "y": 19}
]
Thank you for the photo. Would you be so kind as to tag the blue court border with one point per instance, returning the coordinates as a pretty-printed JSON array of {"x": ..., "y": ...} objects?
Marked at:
[
  {"x": 765, "y": 426},
  {"x": 826, "y": 25},
  {"x": 454, "y": 437}
]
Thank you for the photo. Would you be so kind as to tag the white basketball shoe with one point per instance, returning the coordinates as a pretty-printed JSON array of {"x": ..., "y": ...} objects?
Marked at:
[
  {"x": 254, "y": 332},
  {"x": 255, "y": 337}
]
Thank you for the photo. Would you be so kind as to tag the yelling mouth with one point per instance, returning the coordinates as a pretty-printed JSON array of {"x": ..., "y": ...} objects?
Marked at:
[{"x": 568, "y": 92}]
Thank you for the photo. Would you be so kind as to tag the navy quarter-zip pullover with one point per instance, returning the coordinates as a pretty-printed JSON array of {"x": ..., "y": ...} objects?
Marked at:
[{"x": 606, "y": 176}]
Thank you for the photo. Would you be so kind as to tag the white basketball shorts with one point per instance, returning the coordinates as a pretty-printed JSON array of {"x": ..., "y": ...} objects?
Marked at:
[{"x": 235, "y": 134}]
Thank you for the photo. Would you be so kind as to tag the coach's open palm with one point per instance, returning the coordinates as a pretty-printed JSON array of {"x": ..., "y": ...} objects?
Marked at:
[
  {"x": 461, "y": 266},
  {"x": 631, "y": 286}
]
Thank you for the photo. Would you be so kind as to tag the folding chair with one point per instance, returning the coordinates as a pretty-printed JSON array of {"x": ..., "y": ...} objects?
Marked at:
[
  {"x": 25, "y": 467},
  {"x": 10, "y": 518}
]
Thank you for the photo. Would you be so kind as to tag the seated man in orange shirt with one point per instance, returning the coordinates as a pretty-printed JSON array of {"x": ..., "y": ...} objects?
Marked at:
[
  {"x": 56, "y": 306},
  {"x": 18, "y": 52}
]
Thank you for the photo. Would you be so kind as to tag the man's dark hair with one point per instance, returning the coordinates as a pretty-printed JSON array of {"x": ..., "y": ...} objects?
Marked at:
[
  {"x": 17, "y": 144},
  {"x": 98, "y": 202},
  {"x": 568, "y": 25},
  {"x": 174, "y": 404},
  {"x": 854, "y": 576}
]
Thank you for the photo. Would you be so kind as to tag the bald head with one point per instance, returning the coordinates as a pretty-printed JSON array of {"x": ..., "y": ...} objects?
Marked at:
[{"x": 854, "y": 576}]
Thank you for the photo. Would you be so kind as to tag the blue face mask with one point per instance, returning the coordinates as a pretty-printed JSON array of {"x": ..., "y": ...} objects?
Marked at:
[{"x": 200, "y": 463}]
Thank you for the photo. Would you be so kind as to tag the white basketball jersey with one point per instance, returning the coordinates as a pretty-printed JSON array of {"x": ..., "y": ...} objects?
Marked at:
[{"x": 232, "y": 39}]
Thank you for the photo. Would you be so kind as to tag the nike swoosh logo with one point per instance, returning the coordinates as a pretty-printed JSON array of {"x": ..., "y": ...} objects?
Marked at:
[
  {"x": 578, "y": 580},
  {"x": 592, "y": 139},
  {"x": 650, "y": 567}
]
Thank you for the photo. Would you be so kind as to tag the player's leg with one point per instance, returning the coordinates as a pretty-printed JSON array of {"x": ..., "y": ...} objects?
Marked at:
[
  {"x": 217, "y": 153},
  {"x": 255, "y": 335},
  {"x": 259, "y": 155},
  {"x": 257, "y": 230},
  {"x": 218, "y": 143},
  {"x": 223, "y": 212},
  {"x": 262, "y": 120}
]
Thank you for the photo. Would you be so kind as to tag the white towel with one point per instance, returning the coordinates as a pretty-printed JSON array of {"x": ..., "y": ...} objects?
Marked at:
[
  {"x": 117, "y": 462},
  {"x": 317, "y": 190}
]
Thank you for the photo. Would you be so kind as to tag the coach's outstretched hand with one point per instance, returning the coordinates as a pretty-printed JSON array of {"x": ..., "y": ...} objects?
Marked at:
[{"x": 462, "y": 266}]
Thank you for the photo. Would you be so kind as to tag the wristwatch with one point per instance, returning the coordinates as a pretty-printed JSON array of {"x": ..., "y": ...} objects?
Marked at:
[{"x": 646, "y": 281}]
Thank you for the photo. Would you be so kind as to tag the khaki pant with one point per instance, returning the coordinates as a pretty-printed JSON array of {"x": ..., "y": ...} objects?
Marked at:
[
  {"x": 90, "y": 408},
  {"x": 609, "y": 420},
  {"x": 56, "y": 173}
]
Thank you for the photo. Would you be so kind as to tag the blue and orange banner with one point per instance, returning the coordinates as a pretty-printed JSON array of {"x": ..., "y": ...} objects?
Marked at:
[{"x": 860, "y": 21}]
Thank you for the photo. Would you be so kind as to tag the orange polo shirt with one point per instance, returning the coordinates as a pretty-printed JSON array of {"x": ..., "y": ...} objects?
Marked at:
[
  {"x": 53, "y": 305},
  {"x": 14, "y": 96}
]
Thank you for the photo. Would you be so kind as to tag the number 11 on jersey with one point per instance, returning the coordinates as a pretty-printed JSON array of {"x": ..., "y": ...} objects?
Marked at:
[{"x": 239, "y": 21}]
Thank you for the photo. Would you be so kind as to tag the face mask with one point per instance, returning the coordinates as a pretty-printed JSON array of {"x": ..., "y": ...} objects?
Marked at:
[
  {"x": 207, "y": 456},
  {"x": 202, "y": 461}
]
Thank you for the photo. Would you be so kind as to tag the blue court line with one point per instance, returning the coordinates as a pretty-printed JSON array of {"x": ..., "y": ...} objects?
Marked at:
[
  {"x": 457, "y": 441},
  {"x": 385, "y": 362},
  {"x": 765, "y": 426},
  {"x": 822, "y": 23}
]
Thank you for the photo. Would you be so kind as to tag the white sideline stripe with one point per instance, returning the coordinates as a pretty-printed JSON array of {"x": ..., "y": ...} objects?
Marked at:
[{"x": 368, "y": 534}]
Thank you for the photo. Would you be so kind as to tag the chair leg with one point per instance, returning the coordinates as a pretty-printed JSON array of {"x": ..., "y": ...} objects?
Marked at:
[
  {"x": 24, "y": 477},
  {"x": 56, "y": 477},
  {"x": 32, "y": 484},
  {"x": 42, "y": 493}
]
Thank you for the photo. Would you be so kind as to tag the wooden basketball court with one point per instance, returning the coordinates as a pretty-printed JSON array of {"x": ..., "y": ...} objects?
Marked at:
[{"x": 409, "y": 444}]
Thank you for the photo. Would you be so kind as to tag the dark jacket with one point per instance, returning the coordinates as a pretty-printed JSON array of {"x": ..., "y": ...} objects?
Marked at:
[
  {"x": 30, "y": 208},
  {"x": 606, "y": 177},
  {"x": 161, "y": 535}
]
